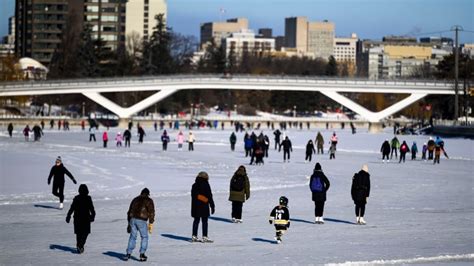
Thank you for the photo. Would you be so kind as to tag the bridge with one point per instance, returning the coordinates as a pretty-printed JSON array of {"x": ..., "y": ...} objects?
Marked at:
[{"x": 167, "y": 85}]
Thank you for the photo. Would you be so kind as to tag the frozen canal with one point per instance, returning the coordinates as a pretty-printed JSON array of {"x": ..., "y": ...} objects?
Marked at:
[{"x": 417, "y": 212}]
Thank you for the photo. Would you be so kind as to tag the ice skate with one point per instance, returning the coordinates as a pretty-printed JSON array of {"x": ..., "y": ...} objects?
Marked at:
[
  {"x": 278, "y": 239},
  {"x": 358, "y": 220},
  {"x": 143, "y": 257},
  {"x": 316, "y": 220},
  {"x": 362, "y": 221},
  {"x": 127, "y": 257},
  {"x": 205, "y": 239},
  {"x": 321, "y": 220},
  {"x": 234, "y": 220},
  {"x": 239, "y": 221},
  {"x": 61, "y": 206},
  {"x": 195, "y": 239}
]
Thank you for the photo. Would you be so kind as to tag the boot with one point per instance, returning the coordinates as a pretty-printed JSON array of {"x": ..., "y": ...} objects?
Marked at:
[
  {"x": 127, "y": 257},
  {"x": 143, "y": 257},
  {"x": 362, "y": 221},
  {"x": 61, "y": 205},
  {"x": 358, "y": 220},
  {"x": 321, "y": 220},
  {"x": 195, "y": 239},
  {"x": 206, "y": 239}
]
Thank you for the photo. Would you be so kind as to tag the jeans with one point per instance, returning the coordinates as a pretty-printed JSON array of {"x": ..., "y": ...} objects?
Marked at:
[
  {"x": 196, "y": 226},
  {"x": 138, "y": 226}
]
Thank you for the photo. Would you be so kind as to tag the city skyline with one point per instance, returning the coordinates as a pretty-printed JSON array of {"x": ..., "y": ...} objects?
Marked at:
[{"x": 364, "y": 17}]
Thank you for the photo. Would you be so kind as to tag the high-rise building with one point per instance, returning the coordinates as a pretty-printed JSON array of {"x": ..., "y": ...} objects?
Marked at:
[
  {"x": 265, "y": 33},
  {"x": 39, "y": 25},
  {"x": 345, "y": 49},
  {"x": 321, "y": 39},
  {"x": 140, "y": 16},
  {"x": 216, "y": 31},
  {"x": 296, "y": 33},
  {"x": 244, "y": 41}
]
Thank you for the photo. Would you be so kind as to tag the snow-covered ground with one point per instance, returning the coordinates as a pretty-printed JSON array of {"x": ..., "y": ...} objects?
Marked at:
[{"x": 417, "y": 212}]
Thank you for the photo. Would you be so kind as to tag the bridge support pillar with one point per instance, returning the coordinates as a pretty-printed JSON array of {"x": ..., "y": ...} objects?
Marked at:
[
  {"x": 375, "y": 127},
  {"x": 123, "y": 123}
]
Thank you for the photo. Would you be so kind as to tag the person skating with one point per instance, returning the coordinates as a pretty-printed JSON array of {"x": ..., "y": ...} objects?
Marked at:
[
  {"x": 286, "y": 144},
  {"x": 440, "y": 142},
  {"x": 57, "y": 174},
  {"x": 165, "y": 139},
  {"x": 277, "y": 134},
  {"x": 83, "y": 125},
  {"x": 266, "y": 144},
  {"x": 319, "y": 185},
  {"x": 51, "y": 123},
  {"x": 37, "y": 133},
  {"x": 118, "y": 139},
  {"x": 180, "y": 140},
  {"x": 201, "y": 202},
  {"x": 248, "y": 143},
  {"x": 334, "y": 139},
  {"x": 360, "y": 191},
  {"x": 385, "y": 150},
  {"x": 395, "y": 144},
  {"x": 10, "y": 129},
  {"x": 191, "y": 140},
  {"x": 141, "y": 134},
  {"x": 26, "y": 132},
  {"x": 105, "y": 138},
  {"x": 92, "y": 134},
  {"x": 280, "y": 217},
  {"x": 332, "y": 152},
  {"x": 309, "y": 151},
  {"x": 259, "y": 152},
  {"x": 127, "y": 136},
  {"x": 431, "y": 147},
  {"x": 239, "y": 193},
  {"x": 423, "y": 151},
  {"x": 42, "y": 124},
  {"x": 141, "y": 211},
  {"x": 84, "y": 214},
  {"x": 403, "y": 150},
  {"x": 233, "y": 140},
  {"x": 414, "y": 151},
  {"x": 320, "y": 143}
]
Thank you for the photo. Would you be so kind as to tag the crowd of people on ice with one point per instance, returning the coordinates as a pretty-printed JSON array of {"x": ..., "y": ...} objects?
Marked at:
[{"x": 434, "y": 148}]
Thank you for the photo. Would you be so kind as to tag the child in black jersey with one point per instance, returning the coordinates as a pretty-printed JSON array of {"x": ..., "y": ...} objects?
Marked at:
[{"x": 280, "y": 217}]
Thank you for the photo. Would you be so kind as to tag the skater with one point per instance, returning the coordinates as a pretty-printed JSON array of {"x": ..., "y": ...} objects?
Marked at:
[
  {"x": 233, "y": 140},
  {"x": 141, "y": 134},
  {"x": 423, "y": 151},
  {"x": 37, "y": 133},
  {"x": 266, "y": 144},
  {"x": 403, "y": 150},
  {"x": 127, "y": 137},
  {"x": 259, "y": 152},
  {"x": 248, "y": 143},
  {"x": 320, "y": 143},
  {"x": 440, "y": 142},
  {"x": 155, "y": 125},
  {"x": 180, "y": 140},
  {"x": 309, "y": 151},
  {"x": 280, "y": 217},
  {"x": 92, "y": 133},
  {"x": 431, "y": 147},
  {"x": 286, "y": 144},
  {"x": 58, "y": 171},
  {"x": 26, "y": 132},
  {"x": 360, "y": 191},
  {"x": 165, "y": 139},
  {"x": 191, "y": 141},
  {"x": 239, "y": 193},
  {"x": 83, "y": 125},
  {"x": 10, "y": 129},
  {"x": 42, "y": 124},
  {"x": 84, "y": 215},
  {"x": 118, "y": 139},
  {"x": 437, "y": 153},
  {"x": 414, "y": 151},
  {"x": 318, "y": 185},
  {"x": 353, "y": 128},
  {"x": 334, "y": 139},
  {"x": 201, "y": 201},
  {"x": 332, "y": 152},
  {"x": 105, "y": 138},
  {"x": 385, "y": 150},
  {"x": 141, "y": 210},
  {"x": 277, "y": 134},
  {"x": 51, "y": 124},
  {"x": 395, "y": 144}
]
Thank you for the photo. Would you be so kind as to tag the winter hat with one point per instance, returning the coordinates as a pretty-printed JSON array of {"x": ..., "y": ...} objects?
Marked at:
[
  {"x": 145, "y": 192},
  {"x": 365, "y": 168},
  {"x": 203, "y": 175},
  {"x": 317, "y": 167},
  {"x": 83, "y": 190},
  {"x": 59, "y": 159}
]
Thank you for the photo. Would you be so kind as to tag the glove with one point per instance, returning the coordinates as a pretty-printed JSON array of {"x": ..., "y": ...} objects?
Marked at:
[
  {"x": 74, "y": 181},
  {"x": 213, "y": 210},
  {"x": 129, "y": 229},
  {"x": 270, "y": 221},
  {"x": 68, "y": 219},
  {"x": 150, "y": 228}
]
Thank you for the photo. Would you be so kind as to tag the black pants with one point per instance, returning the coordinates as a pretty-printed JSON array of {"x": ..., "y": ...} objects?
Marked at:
[
  {"x": 430, "y": 155},
  {"x": 140, "y": 139},
  {"x": 266, "y": 151},
  {"x": 285, "y": 153},
  {"x": 58, "y": 191},
  {"x": 252, "y": 158},
  {"x": 413, "y": 156},
  {"x": 436, "y": 159},
  {"x": 81, "y": 240},
  {"x": 127, "y": 143},
  {"x": 165, "y": 145},
  {"x": 332, "y": 156},
  {"x": 360, "y": 208},
  {"x": 232, "y": 146},
  {"x": 237, "y": 209},
  {"x": 320, "y": 148},
  {"x": 105, "y": 143},
  {"x": 277, "y": 143},
  {"x": 385, "y": 155},
  {"x": 308, "y": 157},
  {"x": 402, "y": 157},
  {"x": 196, "y": 225},
  {"x": 10, "y": 133},
  {"x": 91, "y": 136},
  {"x": 191, "y": 148},
  {"x": 318, "y": 208},
  {"x": 247, "y": 152},
  {"x": 391, "y": 154},
  {"x": 423, "y": 155}
]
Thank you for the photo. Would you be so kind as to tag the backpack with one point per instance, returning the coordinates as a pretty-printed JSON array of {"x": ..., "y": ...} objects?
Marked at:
[
  {"x": 317, "y": 185},
  {"x": 404, "y": 148},
  {"x": 237, "y": 183}
]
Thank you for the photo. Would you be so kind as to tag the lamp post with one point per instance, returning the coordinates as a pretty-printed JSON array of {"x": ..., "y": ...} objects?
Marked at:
[
  {"x": 83, "y": 109},
  {"x": 294, "y": 111}
]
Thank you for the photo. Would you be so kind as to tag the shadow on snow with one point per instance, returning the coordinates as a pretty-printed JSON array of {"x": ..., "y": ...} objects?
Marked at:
[
  {"x": 120, "y": 256},
  {"x": 176, "y": 237},
  {"x": 258, "y": 239},
  {"x": 220, "y": 219},
  {"x": 63, "y": 248},
  {"x": 45, "y": 206}
]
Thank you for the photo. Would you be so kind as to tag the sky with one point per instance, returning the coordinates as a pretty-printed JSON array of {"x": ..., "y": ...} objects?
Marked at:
[{"x": 369, "y": 19}]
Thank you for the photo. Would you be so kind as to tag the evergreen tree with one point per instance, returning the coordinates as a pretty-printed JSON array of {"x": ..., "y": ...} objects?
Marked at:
[
  {"x": 331, "y": 67},
  {"x": 157, "y": 57}
]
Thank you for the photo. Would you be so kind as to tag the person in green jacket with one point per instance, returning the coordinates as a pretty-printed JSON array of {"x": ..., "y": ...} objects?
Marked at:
[
  {"x": 395, "y": 144},
  {"x": 239, "y": 192}
]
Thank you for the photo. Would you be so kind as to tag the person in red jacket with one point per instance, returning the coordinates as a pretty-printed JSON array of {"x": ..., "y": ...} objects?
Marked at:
[{"x": 105, "y": 138}]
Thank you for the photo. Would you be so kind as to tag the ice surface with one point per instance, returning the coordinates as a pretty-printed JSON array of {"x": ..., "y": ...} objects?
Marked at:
[{"x": 417, "y": 212}]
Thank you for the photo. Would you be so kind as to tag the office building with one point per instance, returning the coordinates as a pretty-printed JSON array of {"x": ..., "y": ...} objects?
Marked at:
[
  {"x": 217, "y": 31},
  {"x": 140, "y": 17},
  {"x": 345, "y": 49},
  {"x": 265, "y": 33},
  {"x": 244, "y": 41},
  {"x": 296, "y": 33}
]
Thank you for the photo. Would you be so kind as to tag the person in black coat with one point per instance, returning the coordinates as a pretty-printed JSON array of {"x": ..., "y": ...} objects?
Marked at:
[
  {"x": 10, "y": 129},
  {"x": 403, "y": 150},
  {"x": 141, "y": 133},
  {"x": 360, "y": 191},
  {"x": 286, "y": 144},
  {"x": 58, "y": 171},
  {"x": 309, "y": 151},
  {"x": 385, "y": 150},
  {"x": 127, "y": 136},
  {"x": 277, "y": 134},
  {"x": 84, "y": 214},
  {"x": 201, "y": 201},
  {"x": 318, "y": 185}
]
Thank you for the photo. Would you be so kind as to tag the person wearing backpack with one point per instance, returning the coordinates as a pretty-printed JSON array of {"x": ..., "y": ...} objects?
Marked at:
[
  {"x": 403, "y": 150},
  {"x": 318, "y": 185},
  {"x": 239, "y": 192}
]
